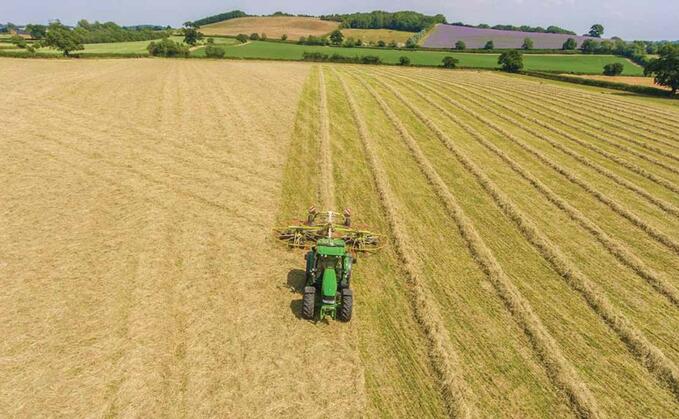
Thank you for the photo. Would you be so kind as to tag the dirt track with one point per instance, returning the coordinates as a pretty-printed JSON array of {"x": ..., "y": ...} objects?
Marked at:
[{"x": 136, "y": 265}]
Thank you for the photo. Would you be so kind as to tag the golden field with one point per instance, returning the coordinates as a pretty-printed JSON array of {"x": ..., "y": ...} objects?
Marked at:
[{"x": 531, "y": 268}]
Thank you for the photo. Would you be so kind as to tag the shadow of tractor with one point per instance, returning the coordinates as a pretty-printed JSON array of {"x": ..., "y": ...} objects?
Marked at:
[{"x": 296, "y": 282}]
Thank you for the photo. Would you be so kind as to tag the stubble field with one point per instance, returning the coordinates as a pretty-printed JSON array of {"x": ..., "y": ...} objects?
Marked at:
[{"x": 531, "y": 268}]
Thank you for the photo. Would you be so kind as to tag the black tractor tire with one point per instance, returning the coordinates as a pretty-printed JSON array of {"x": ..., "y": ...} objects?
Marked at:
[
  {"x": 309, "y": 302},
  {"x": 347, "y": 306}
]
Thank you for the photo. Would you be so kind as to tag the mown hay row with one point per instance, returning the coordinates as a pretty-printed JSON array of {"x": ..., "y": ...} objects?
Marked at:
[
  {"x": 557, "y": 115},
  {"x": 326, "y": 170},
  {"x": 613, "y": 246},
  {"x": 656, "y": 128},
  {"x": 618, "y": 208},
  {"x": 614, "y": 205},
  {"x": 620, "y": 161},
  {"x": 561, "y": 372},
  {"x": 620, "y": 108},
  {"x": 446, "y": 362},
  {"x": 648, "y": 354},
  {"x": 663, "y": 205},
  {"x": 587, "y": 118}
]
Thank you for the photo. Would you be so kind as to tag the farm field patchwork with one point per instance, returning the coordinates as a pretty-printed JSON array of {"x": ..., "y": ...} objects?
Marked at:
[
  {"x": 592, "y": 64},
  {"x": 530, "y": 271}
]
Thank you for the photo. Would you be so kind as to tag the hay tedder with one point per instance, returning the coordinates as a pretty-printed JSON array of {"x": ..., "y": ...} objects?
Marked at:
[{"x": 333, "y": 245}]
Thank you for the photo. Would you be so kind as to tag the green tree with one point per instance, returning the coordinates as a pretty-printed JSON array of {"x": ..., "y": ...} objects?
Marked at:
[
  {"x": 254, "y": 36},
  {"x": 61, "y": 38},
  {"x": 381, "y": 43},
  {"x": 242, "y": 38},
  {"x": 527, "y": 44},
  {"x": 392, "y": 44},
  {"x": 511, "y": 61},
  {"x": 596, "y": 30},
  {"x": 36, "y": 31},
  {"x": 570, "y": 44},
  {"x": 449, "y": 62},
  {"x": 411, "y": 43},
  {"x": 167, "y": 48},
  {"x": 213, "y": 51},
  {"x": 349, "y": 43},
  {"x": 263, "y": 36},
  {"x": 191, "y": 34},
  {"x": 613, "y": 69},
  {"x": 665, "y": 68},
  {"x": 404, "y": 60},
  {"x": 284, "y": 37},
  {"x": 336, "y": 37},
  {"x": 589, "y": 46},
  {"x": 489, "y": 45},
  {"x": 460, "y": 45},
  {"x": 18, "y": 41}
]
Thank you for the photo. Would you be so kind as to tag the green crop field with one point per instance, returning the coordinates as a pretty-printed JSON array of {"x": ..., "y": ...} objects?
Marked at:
[{"x": 561, "y": 63}]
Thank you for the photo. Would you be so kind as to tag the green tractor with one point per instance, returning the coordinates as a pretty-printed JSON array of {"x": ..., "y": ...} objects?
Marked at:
[
  {"x": 328, "y": 273},
  {"x": 332, "y": 243}
]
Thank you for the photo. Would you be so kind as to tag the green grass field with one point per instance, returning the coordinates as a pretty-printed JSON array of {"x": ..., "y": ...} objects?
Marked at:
[{"x": 591, "y": 64}]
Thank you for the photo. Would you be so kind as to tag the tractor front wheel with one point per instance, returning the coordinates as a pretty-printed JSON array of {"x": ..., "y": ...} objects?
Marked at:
[
  {"x": 347, "y": 305},
  {"x": 308, "y": 302}
]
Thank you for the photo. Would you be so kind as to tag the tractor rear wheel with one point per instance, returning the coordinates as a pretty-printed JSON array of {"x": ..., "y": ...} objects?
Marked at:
[
  {"x": 347, "y": 305},
  {"x": 308, "y": 302}
]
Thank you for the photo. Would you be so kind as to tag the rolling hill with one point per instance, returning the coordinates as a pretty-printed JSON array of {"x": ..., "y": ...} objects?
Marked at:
[{"x": 273, "y": 26}]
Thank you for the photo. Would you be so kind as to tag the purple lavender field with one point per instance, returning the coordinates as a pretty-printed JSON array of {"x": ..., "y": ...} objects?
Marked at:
[{"x": 445, "y": 36}]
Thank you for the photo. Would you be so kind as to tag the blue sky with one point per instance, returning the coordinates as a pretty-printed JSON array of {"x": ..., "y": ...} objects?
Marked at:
[{"x": 629, "y": 19}]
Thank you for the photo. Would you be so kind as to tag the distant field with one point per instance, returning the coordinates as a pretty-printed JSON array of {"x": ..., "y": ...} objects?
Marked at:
[
  {"x": 273, "y": 26},
  {"x": 635, "y": 81},
  {"x": 374, "y": 35},
  {"x": 445, "y": 36},
  {"x": 592, "y": 64},
  {"x": 134, "y": 47}
]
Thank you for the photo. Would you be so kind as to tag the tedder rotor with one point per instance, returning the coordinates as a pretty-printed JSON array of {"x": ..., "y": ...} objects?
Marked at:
[{"x": 333, "y": 244}]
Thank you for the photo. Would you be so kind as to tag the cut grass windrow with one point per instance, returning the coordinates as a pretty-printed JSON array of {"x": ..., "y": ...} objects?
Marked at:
[
  {"x": 326, "y": 171},
  {"x": 605, "y": 117},
  {"x": 586, "y": 118},
  {"x": 623, "y": 109},
  {"x": 648, "y": 354},
  {"x": 562, "y": 373},
  {"x": 618, "y": 208},
  {"x": 445, "y": 360},
  {"x": 519, "y": 97},
  {"x": 622, "y": 162},
  {"x": 663, "y": 205},
  {"x": 613, "y": 246}
]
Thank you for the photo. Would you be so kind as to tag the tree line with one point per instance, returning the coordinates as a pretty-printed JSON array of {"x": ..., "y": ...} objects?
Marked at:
[
  {"x": 522, "y": 28},
  {"x": 401, "y": 21}
]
